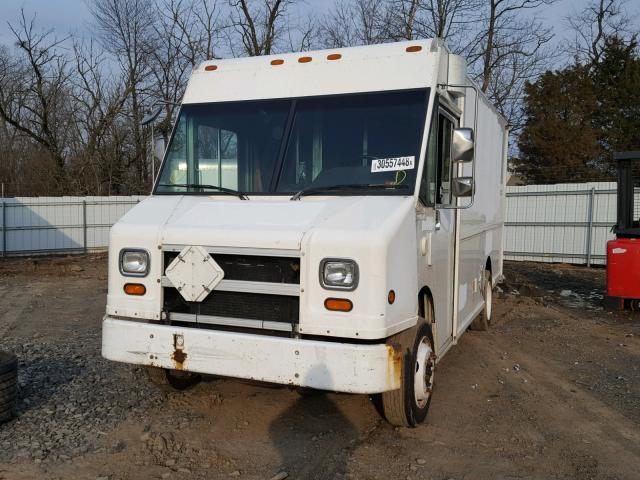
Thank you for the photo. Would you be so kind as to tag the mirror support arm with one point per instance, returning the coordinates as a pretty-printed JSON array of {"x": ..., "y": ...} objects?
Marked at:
[{"x": 475, "y": 131}]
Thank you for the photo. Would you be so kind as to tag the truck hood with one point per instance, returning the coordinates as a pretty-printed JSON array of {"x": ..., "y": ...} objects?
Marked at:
[{"x": 259, "y": 223}]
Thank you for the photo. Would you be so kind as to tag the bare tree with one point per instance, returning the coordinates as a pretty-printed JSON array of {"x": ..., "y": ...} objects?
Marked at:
[
  {"x": 598, "y": 21},
  {"x": 173, "y": 55},
  {"x": 360, "y": 22},
  {"x": 126, "y": 28},
  {"x": 447, "y": 19},
  {"x": 195, "y": 27},
  {"x": 100, "y": 101},
  {"x": 510, "y": 47},
  {"x": 364, "y": 22},
  {"x": 404, "y": 19},
  {"x": 33, "y": 91},
  {"x": 259, "y": 28},
  {"x": 302, "y": 35}
]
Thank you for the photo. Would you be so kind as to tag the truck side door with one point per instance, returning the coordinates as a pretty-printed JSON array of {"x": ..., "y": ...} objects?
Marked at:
[{"x": 436, "y": 226}]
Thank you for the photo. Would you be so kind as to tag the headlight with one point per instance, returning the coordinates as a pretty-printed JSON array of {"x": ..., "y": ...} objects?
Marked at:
[
  {"x": 338, "y": 274},
  {"x": 134, "y": 263}
]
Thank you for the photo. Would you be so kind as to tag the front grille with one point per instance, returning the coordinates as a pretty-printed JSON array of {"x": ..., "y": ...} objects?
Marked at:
[
  {"x": 243, "y": 305},
  {"x": 253, "y": 268},
  {"x": 252, "y": 306}
]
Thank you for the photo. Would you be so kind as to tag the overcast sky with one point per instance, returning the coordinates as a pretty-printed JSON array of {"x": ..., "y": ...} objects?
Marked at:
[{"x": 72, "y": 16}]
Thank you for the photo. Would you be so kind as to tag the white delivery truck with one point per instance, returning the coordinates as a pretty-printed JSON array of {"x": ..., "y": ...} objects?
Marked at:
[{"x": 330, "y": 220}]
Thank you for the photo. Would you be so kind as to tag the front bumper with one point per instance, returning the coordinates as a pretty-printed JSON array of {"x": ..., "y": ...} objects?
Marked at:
[{"x": 340, "y": 367}]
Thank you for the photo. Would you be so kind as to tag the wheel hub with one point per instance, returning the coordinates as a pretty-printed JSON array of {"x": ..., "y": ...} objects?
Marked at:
[
  {"x": 424, "y": 372},
  {"x": 488, "y": 299}
]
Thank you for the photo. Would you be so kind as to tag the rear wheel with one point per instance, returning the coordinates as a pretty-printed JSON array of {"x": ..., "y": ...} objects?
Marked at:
[
  {"x": 483, "y": 321},
  {"x": 408, "y": 405},
  {"x": 172, "y": 379}
]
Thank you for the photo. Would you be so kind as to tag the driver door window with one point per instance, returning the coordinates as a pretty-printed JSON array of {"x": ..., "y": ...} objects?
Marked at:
[
  {"x": 438, "y": 171},
  {"x": 443, "y": 175}
]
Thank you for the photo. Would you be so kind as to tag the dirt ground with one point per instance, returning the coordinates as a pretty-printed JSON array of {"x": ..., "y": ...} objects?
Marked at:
[{"x": 552, "y": 391}]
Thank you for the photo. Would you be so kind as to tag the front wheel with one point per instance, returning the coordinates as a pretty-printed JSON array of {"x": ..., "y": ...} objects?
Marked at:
[{"x": 408, "y": 405}]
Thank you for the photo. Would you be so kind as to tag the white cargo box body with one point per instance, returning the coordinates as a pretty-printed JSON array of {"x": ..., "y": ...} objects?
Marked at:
[{"x": 407, "y": 244}]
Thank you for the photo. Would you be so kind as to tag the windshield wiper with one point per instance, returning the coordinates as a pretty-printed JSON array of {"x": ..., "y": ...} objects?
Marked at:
[
  {"x": 347, "y": 187},
  {"x": 228, "y": 191}
]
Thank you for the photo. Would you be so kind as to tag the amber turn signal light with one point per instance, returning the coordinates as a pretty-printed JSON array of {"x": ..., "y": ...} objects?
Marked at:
[
  {"x": 134, "y": 289},
  {"x": 338, "y": 304},
  {"x": 391, "y": 297}
]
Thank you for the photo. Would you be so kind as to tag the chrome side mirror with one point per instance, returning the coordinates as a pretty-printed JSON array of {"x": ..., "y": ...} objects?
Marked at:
[
  {"x": 462, "y": 145},
  {"x": 462, "y": 187}
]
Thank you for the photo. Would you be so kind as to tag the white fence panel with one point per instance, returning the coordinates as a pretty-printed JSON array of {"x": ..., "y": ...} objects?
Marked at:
[
  {"x": 567, "y": 222},
  {"x": 59, "y": 224},
  {"x": 544, "y": 223}
]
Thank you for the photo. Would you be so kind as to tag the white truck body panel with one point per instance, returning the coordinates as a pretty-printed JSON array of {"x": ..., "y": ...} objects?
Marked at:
[
  {"x": 325, "y": 365},
  {"x": 481, "y": 226},
  {"x": 361, "y": 69},
  {"x": 398, "y": 242}
]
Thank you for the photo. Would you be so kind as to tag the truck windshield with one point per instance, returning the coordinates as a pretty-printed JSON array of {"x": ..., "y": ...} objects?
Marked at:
[{"x": 285, "y": 146}]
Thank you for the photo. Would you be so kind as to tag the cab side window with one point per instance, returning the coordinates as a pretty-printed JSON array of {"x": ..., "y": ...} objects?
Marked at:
[
  {"x": 436, "y": 176},
  {"x": 445, "y": 132}
]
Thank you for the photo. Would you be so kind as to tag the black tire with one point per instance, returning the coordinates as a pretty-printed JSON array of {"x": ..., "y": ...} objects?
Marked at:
[
  {"x": 483, "y": 321},
  {"x": 8, "y": 385},
  {"x": 8, "y": 395},
  {"x": 8, "y": 363},
  {"x": 6, "y": 377},
  {"x": 401, "y": 407},
  {"x": 172, "y": 379},
  {"x": 9, "y": 381},
  {"x": 5, "y": 415}
]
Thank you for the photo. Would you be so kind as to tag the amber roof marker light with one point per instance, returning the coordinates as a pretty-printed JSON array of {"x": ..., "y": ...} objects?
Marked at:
[
  {"x": 210, "y": 68},
  {"x": 277, "y": 61},
  {"x": 334, "y": 56},
  {"x": 304, "y": 59},
  {"x": 413, "y": 48}
]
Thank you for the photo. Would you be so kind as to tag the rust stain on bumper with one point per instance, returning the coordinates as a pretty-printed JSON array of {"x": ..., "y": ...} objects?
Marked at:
[
  {"x": 179, "y": 357},
  {"x": 394, "y": 365}
]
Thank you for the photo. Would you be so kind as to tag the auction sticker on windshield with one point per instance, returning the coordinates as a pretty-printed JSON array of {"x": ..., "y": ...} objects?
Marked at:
[{"x": 392, "y": 164}]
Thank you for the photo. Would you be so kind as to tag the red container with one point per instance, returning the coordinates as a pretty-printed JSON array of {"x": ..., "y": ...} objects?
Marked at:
[{"x": 623, "y": 268}]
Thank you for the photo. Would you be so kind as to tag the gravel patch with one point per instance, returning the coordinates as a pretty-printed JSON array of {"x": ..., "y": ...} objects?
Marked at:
[{"x": 69, "y": 397}]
